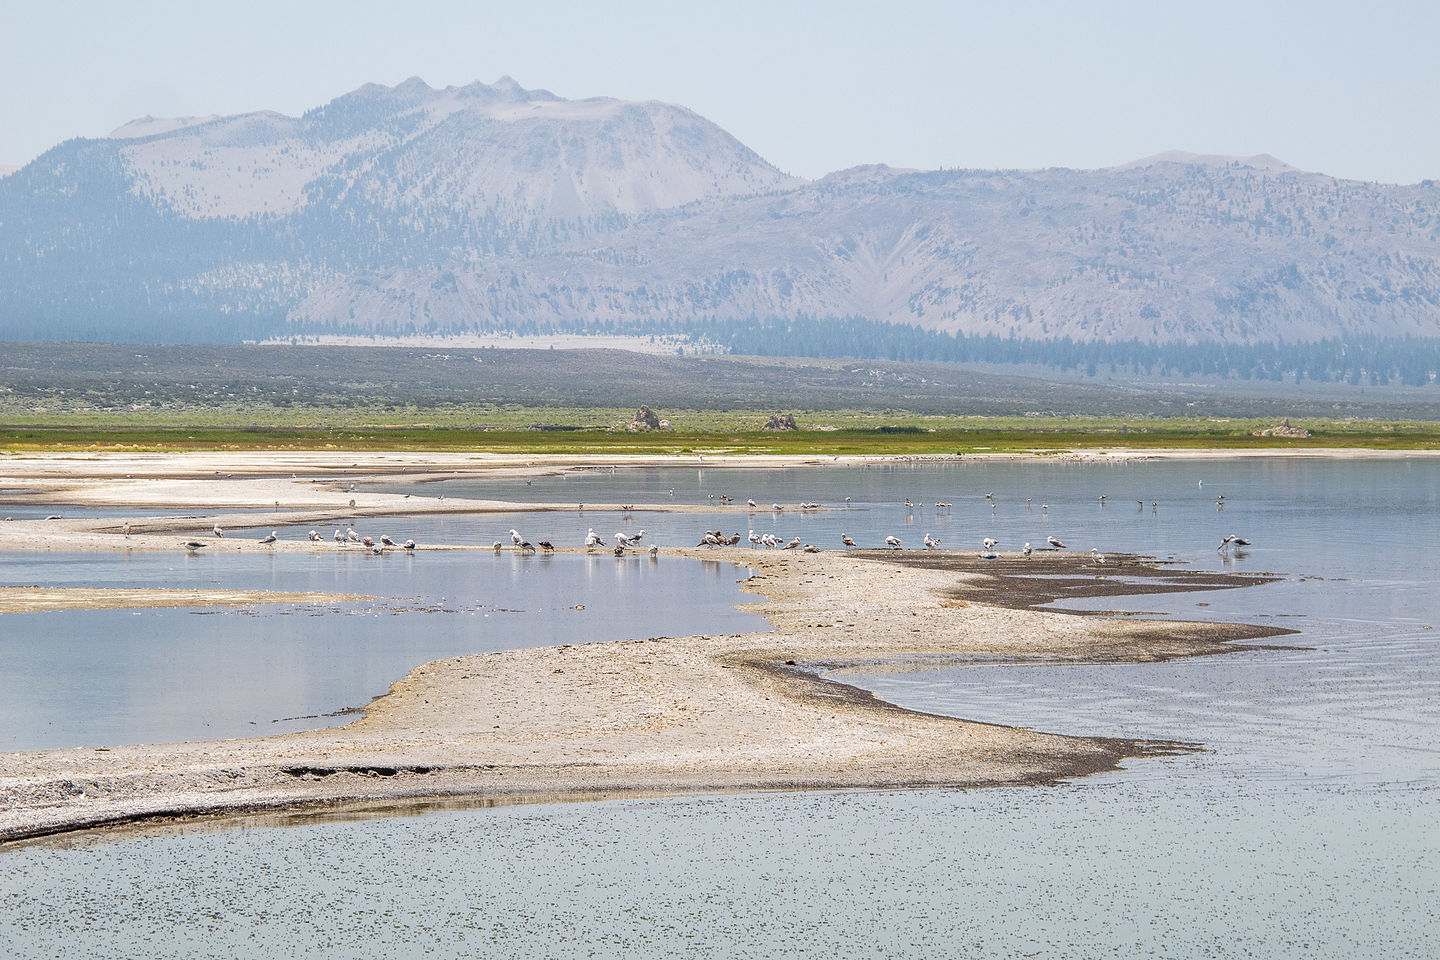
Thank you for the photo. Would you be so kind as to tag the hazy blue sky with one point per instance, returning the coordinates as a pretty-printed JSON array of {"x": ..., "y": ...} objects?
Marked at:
[{"x": 1351, "y": 89}]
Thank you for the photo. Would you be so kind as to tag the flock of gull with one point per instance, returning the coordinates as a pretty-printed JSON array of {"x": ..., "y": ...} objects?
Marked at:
[{"x": 622, "y": 542}]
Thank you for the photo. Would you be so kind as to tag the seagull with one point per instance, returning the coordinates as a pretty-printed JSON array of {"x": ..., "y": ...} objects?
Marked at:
[
  {"x": 793, "y": 544},
  {"x": 654, "y": 551},
  {"x": 496, "y": 546},
  {"x": 127, "y": 530},
  {"x": 770, "y": 540},
  {"x": 754, "y": 539},
  {"x": 709, "y": 540},
  {"x": 1026, "y": 549},
  {"x": 893, "y": 543},
  {"x": 515, "y": 537},
  {"x": 749, "y": 503},
  {"x": 367, "y": 541},
  {"x": 376, "y": 549},
  {"x": 845, "y": 539},
  {"x": 811, "y": 548},
  {"x": 351, "y": 535},
  {"x": 592, "y": 539},
  {"x": 314, "y": 536},
  {"x": 621, "y": 539},
  {"x": 409, "y": 544},
  {"x": 1055, "y": 542},
  {"x": 193, "y": 545},
  {"x": 339, "y": 536},
  {"x": 931, "y": 542},
  {"x": 638, "y": 537},
  {"x": 269, "y": 539},
  {"x": 387, "y": 541},
  {"x": 215, "y": 529},
  {"x": 990, "y": 543},
  {"x": 526, "y": 545},
  {"x": 777, "y": 508},
  {"x": 1096, "y": 556}
]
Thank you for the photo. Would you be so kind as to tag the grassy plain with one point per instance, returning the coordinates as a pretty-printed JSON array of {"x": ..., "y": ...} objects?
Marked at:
[
  {"x": 554, "y": 431},
  {"x": 56, "y": 397}
]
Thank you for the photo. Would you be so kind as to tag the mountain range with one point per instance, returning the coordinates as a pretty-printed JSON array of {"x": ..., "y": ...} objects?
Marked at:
[{"x": 406, "y": 209}]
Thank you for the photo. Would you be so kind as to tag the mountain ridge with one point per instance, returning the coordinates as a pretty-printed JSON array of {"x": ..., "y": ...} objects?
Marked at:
[{"x": 490, "y": 207}]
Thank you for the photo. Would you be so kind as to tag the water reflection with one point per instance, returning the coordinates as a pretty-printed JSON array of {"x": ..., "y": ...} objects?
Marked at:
[{"x": 100, "y": 677}]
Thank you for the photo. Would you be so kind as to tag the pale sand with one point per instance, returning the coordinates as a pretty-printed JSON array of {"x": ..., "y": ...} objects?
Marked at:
[
  {"x": 40, "y": 599},
  {"x": 725, "y": 713}
]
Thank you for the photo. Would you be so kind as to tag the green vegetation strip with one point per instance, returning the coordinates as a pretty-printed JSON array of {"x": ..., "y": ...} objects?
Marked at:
[{"x": 600, "y": 431}]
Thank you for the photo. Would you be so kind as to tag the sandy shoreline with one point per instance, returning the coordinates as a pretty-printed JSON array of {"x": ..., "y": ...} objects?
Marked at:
[{"x": 727, "y": 713}]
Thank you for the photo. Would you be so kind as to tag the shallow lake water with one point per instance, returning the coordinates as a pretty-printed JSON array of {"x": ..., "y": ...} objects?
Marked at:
[
  {"x": 1307, "y": 825},
  {"x": 104, "y": 677}
]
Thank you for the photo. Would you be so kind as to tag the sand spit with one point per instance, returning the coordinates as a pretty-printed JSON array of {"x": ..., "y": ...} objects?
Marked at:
[
  {"x": 726, "y": 713},
  {"x": 43, "y": 599},
  {"x": 729, "y": 713}
]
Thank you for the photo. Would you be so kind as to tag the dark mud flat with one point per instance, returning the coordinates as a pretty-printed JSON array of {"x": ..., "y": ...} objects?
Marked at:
[{"x": 1048, "y": 578}]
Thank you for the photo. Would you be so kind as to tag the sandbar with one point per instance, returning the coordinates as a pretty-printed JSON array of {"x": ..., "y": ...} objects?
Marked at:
[{"x": 727, "y": 713}]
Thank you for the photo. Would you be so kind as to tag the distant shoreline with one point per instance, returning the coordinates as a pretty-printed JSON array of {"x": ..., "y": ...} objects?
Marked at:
[{"x": 672, "y": 344}]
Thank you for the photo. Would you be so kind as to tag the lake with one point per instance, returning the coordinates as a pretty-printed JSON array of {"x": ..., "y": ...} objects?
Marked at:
[{"x": 1306, "y": 827}]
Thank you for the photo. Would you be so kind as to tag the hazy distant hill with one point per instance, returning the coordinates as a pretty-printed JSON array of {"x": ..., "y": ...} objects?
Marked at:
[{"x": 408, "y": 209}]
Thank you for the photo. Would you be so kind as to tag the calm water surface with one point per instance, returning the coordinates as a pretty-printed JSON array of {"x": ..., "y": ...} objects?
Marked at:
[
  {"x": 103, "y": 677},
  {"x": 1306, "y": 828}
]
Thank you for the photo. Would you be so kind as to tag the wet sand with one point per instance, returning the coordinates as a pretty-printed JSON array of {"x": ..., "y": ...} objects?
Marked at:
[{"x": 667, "y": 715}]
